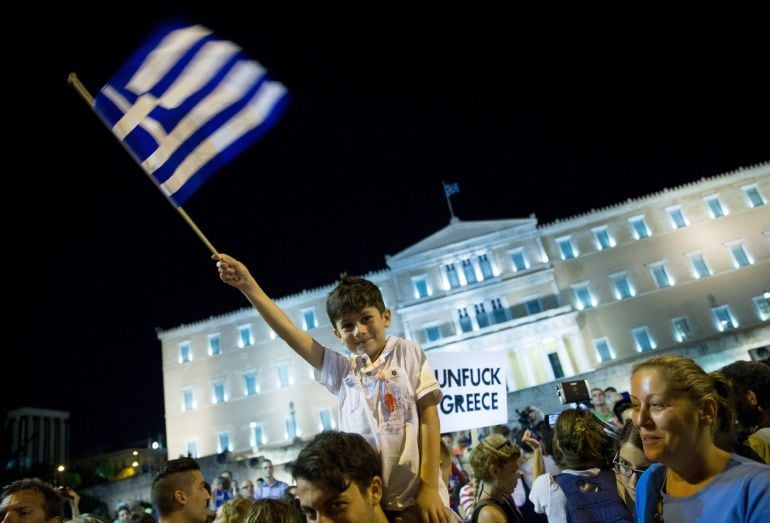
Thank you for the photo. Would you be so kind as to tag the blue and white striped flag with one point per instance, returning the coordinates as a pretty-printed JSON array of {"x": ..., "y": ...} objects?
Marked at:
[
  {"x": 451, "y": 188},
  {"x": 186, "y": 103}
]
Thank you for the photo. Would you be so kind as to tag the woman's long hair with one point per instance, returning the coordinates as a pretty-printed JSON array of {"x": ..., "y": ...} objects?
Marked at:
[{"x": 580, "y": 442}]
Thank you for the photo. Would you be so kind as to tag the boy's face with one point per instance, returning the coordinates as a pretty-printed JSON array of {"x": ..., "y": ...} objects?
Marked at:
[{"x": 363, "y": 332}]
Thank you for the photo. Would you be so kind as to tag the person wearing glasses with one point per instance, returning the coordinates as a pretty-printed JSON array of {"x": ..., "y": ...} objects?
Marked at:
[
  {"x": 586, "y": 488},
  {"x": 630, "y": 463},
  {"x": 272, "y": 488},
  {"x": 495, "y": 462},
  {"x": 679, "y": 410}
]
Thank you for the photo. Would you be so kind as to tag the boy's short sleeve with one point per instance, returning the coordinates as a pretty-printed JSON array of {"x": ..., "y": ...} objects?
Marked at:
[{"x": 333, "y": 371}]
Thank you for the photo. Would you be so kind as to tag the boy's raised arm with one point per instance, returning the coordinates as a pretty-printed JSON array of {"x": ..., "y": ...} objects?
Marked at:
[{"x": 235, "y": 274}]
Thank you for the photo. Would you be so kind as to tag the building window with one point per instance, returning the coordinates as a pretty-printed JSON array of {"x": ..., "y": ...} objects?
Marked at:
[
  {"x": 188, "y": 400},
  {"x": 466, "y": 325},
  {"x": 639, "y": 227},
  {"x": 250, "y": 383},
  {"x": 215, "y": 347},
  {"x": 533, "y": 305},
  {"x": 309, "y": 320},
  {"x": 185, "y": 352},
  {"x": 284, "y": 380},
  {"x": 519, "y": 260},
  {"x": 682, "y": 330},
  {"x": 762, "y": 304},
  {"x": 469, "y": 271},
  {"x": 603, "y": 238},
  {"x": 257, "y": 434},
  {"x": 741, "y": 256},
  {"x": 500, "y": 313},
  {"x": 678, "y": 219},
  {"x": 218, "y": 391},
  {"x": 223, "y": 442},
  {"x": 700, "y": 268},
  {"x": 753, "y": 195},
  {"x": 420, "y": 284},
  {"x": 724, "y": 318},
  {"x": 433, "y": 333},
  {"x": 644, "y": 341},
  {"x": 622, "y": 285},
  {"x": 327, "y": 422},
  {"x": 567, "y": 248},
  {"x": 661, "y": 275},
  {"x": 603, "y": 349},
  {"x": 584, "y": 299},
  {"x": 715, "y": 207},
  {"x": 481, "y": 315},
  {"x": 452, "y": 278},
  {"x": 245, "y": 337},
  {"x": 553, "y": 358},
  {"x": 290, "y": 422},
  {"x": 192, "y": 448},
  {"x": 486, "y": 267}
]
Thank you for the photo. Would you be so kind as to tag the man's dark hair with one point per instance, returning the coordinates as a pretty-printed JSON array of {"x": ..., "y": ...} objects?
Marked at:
[
  {"x": 176, "y": 475},
  {"x": 352, "y": 294},
  {"x": 338, "y": 459},
  {"x": 53, "y": 503},
  {"x": 620, "y": 406},
  {"x": 750, "y": 375}
]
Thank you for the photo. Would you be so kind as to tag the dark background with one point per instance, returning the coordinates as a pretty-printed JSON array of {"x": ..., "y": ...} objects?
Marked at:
[{"x": 551, "y": 111}]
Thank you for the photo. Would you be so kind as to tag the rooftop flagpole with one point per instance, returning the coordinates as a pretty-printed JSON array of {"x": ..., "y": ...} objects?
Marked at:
[
  {"x": 75, "y": 82},
  {"x": 449, "y": 190}
]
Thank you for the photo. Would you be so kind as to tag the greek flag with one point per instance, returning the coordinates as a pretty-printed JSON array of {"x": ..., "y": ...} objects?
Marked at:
[
  {"x": 451, "y": 188},
  {"x": 186, "y": 103}
]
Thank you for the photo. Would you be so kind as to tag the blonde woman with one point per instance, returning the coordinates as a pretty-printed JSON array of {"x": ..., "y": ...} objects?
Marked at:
[
  {"x": 495, "y": 462},
  {"x": 233, "y": 510},
  {"x": 678, "y": 409}
]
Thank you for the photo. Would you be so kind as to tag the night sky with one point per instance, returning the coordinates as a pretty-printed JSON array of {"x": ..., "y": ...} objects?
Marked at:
[{"x": 532, "y": 110}]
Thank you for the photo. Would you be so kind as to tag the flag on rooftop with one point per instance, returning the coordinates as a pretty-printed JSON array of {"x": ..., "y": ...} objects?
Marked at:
[
  {"x": 451, "y": 188},
  {"x": 186, "y": 103}
]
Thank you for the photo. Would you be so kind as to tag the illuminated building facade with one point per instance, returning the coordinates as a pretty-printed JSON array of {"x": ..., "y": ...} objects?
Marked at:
[{"x": 686, "y": 266}]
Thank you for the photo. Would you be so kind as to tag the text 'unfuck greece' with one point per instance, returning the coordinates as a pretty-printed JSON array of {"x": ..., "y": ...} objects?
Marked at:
[{"x": 468, "y": 377}]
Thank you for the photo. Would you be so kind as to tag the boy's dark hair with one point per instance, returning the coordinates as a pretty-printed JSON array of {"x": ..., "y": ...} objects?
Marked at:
[
  {"x": 176, "y": 475},
  {"x": 338, "y": 459},
  {"x": 352, "y": 294},
  {"x": 53, "y": 503}
]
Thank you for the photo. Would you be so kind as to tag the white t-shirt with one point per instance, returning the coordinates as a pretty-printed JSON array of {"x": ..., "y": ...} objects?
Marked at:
[
  {"x": 379, "y": 401},
  {"x": 548, "y": 497}
]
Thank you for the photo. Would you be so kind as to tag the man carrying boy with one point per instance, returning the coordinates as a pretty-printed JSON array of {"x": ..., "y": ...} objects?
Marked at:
[
  {"x": 339, "y": 479},
  {"x": 385, "y": 389}
]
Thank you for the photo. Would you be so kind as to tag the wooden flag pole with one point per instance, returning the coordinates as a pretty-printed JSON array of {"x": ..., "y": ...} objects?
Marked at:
[{"x": 74, "y": 81}]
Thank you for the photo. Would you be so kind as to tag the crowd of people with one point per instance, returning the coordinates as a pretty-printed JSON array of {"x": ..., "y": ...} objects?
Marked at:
[
  {"x": 668, "y": 449},
  {"x": 684, "y": 445}
]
